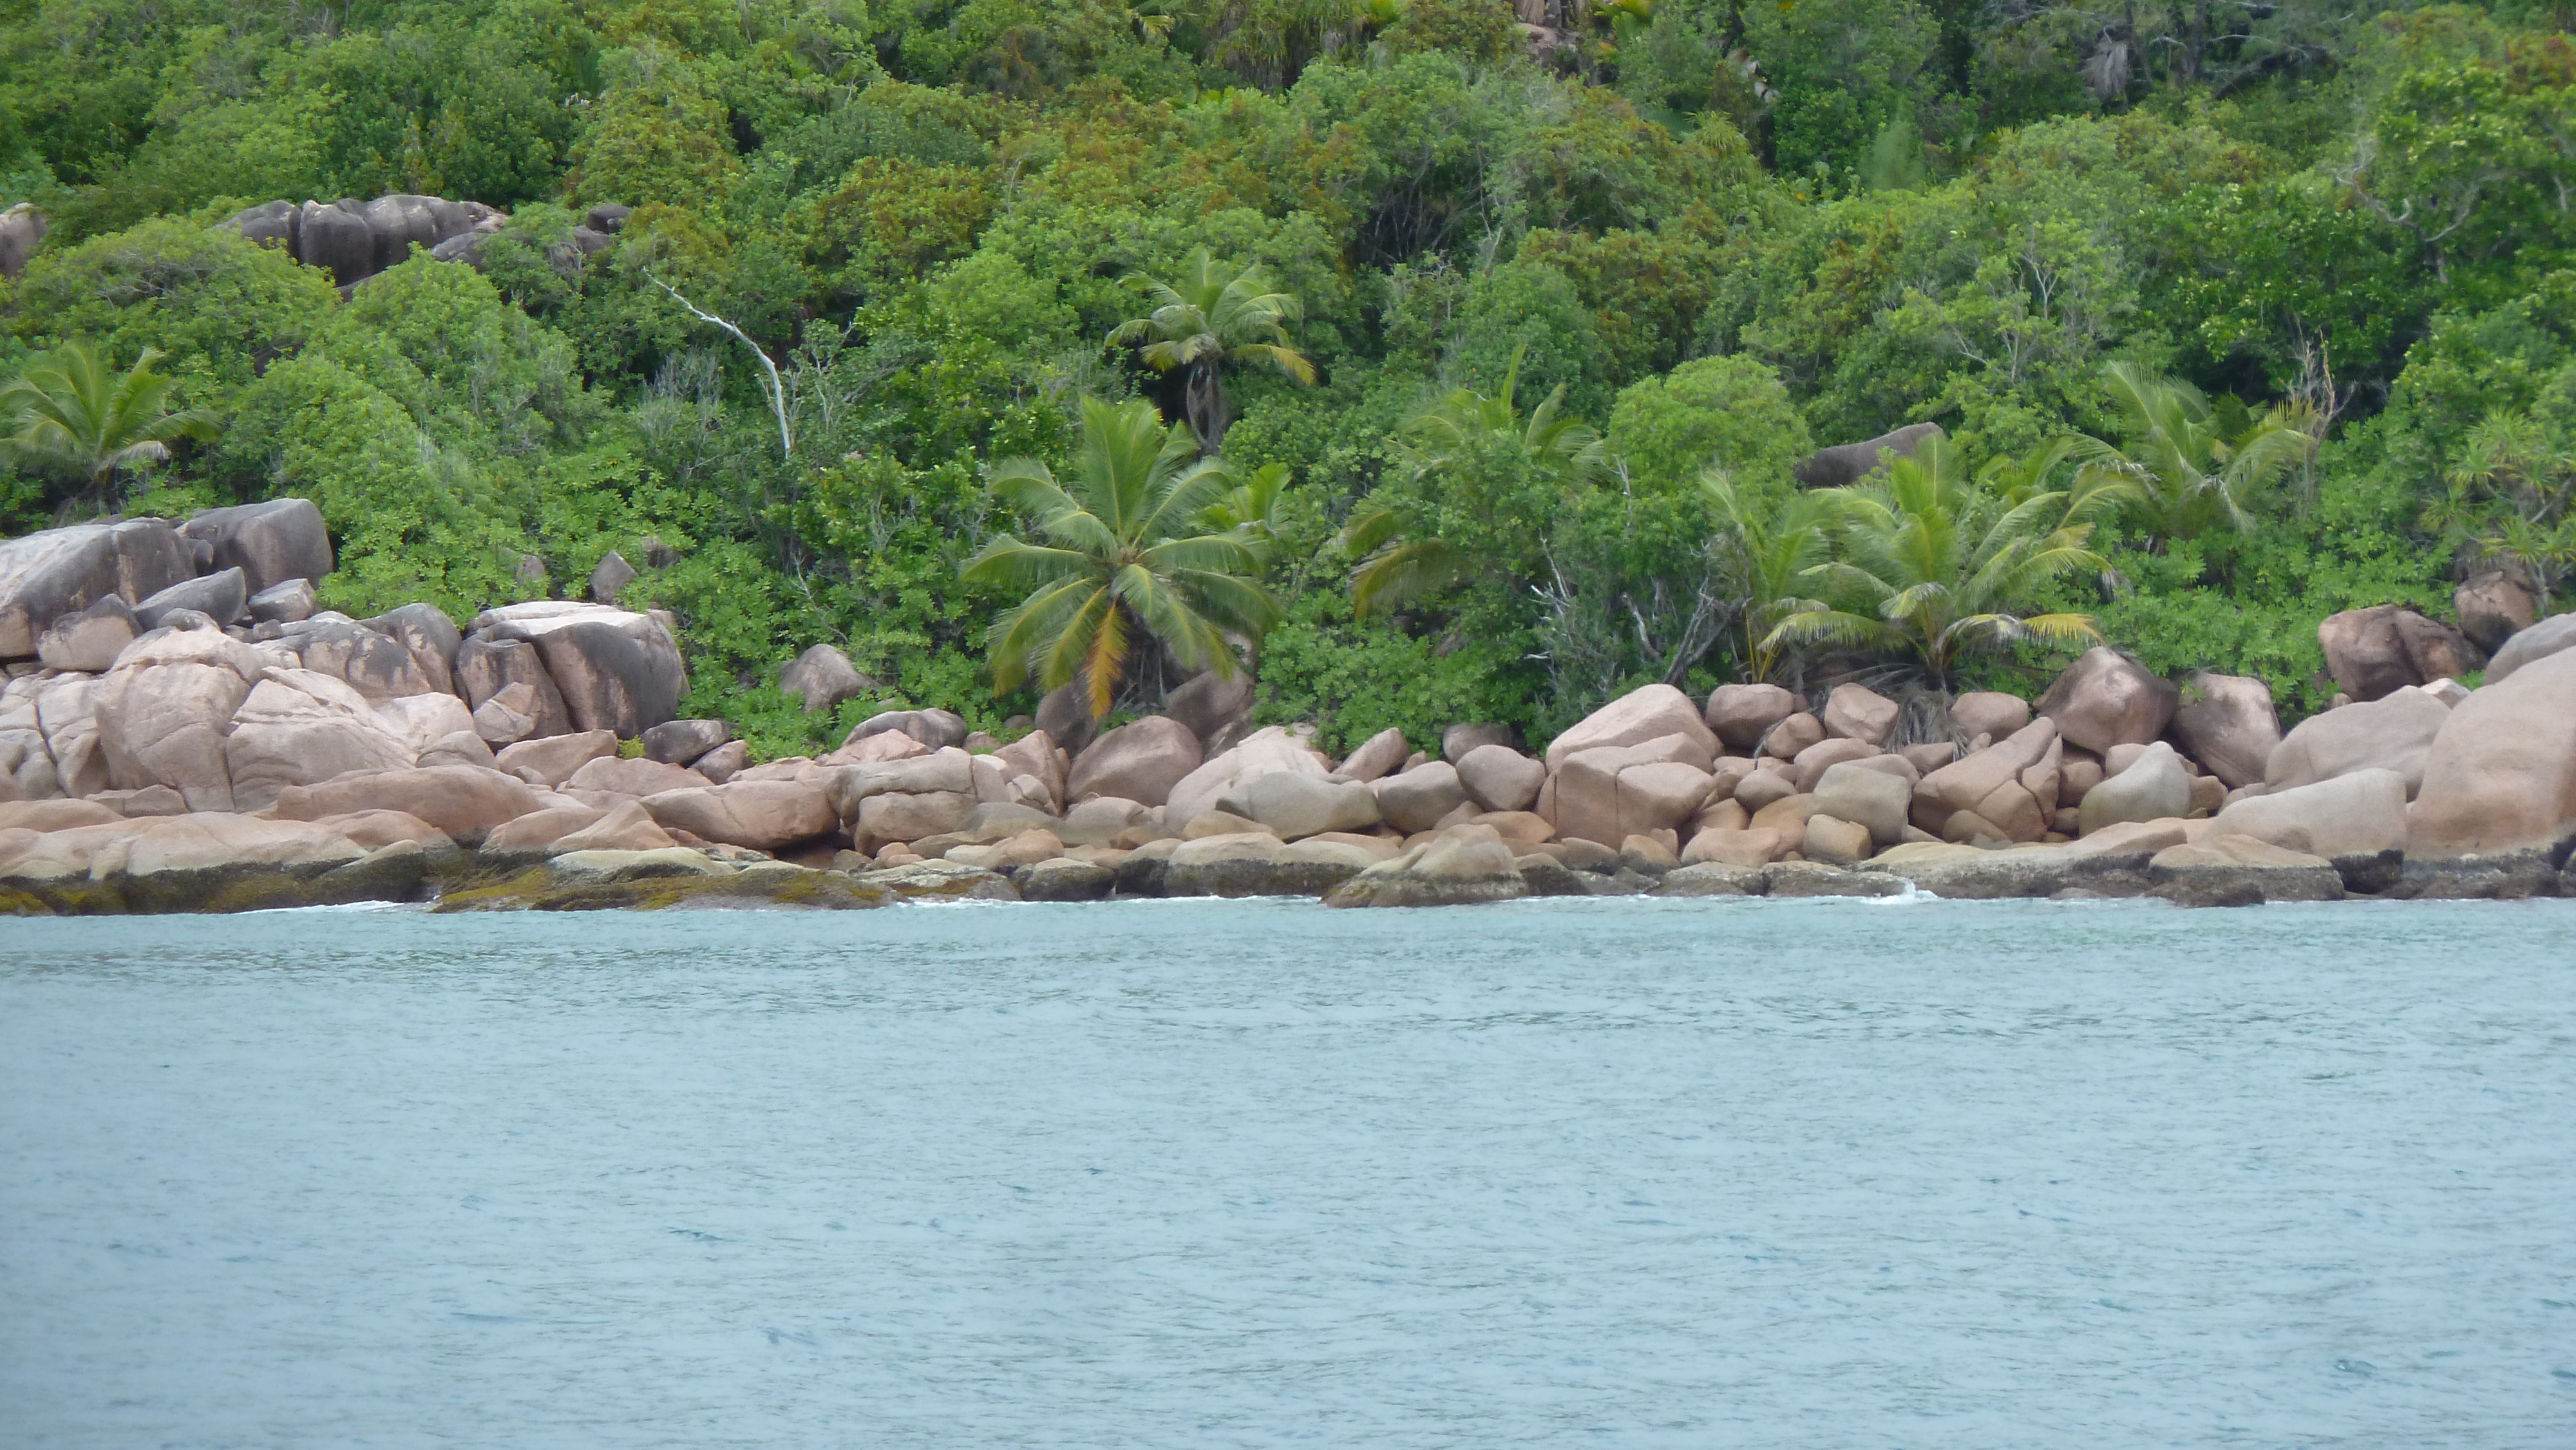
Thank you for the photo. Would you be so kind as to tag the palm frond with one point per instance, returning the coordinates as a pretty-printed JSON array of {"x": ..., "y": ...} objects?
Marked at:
[{"x": 1402, "y": 572}]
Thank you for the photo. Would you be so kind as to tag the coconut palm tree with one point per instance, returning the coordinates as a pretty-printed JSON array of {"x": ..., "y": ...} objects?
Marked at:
[
  {"x": 1763, "y": 547},
  {"x": 1126, "y": 554},
  {"x": 70, "y": 410},
  {"x": 2197, "y": 467},
  {"x": 1477, "y": 474},
  {"x": 1213, "y": 316},
  {"x": 1941, "y": 567}
]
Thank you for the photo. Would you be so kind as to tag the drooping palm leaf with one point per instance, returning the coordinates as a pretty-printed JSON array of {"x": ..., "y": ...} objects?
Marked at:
[
  {"x": 1131, "y": 548},
  {"x": 1941, "y": 563},
  {"x": 69, "y": 410},
  {"x": 1209, "y": 316}
]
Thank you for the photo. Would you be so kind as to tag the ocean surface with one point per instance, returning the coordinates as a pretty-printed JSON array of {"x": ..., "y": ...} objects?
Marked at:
[{"x": 1210, "y": 1174}]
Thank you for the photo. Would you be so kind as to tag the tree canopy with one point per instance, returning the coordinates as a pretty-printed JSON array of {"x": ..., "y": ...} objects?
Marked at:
[{"x": 2303, "y": 273}]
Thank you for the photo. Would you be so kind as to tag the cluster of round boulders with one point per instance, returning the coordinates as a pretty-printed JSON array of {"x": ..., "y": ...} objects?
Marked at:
[
  {"x": 238, "y": 747},
  {"x": 355, "y": 240}
]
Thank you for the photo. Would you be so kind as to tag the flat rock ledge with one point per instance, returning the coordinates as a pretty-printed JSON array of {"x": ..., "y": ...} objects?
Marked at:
[{"x": 1458, "y": 866}]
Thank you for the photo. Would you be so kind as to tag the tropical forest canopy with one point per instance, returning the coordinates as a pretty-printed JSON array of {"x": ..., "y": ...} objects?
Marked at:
[{"x": 1506, "y": 324}]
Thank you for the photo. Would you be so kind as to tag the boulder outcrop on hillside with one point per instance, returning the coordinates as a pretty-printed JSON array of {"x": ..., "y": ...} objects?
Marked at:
[
  {"x": 353, "y": 239},
  {"x": 2378, "y": 651},
  {"x": 1849, "y": 463}
]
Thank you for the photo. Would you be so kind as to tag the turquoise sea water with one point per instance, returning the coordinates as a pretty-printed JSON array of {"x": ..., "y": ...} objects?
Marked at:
[{"x": 1210, "y": 1174}]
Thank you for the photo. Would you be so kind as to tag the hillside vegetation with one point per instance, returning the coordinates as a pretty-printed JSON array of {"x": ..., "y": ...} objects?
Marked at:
[{"x": 1517, "y": 320}]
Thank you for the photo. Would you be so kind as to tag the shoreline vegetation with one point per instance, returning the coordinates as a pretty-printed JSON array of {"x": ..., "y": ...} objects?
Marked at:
[
  {"x": 1392, "y": 451},
  {"x": 222, "y": 745}
]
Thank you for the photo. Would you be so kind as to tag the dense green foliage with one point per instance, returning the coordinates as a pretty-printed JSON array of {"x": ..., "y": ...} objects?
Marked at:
[{"x": 2311, "y": 269}]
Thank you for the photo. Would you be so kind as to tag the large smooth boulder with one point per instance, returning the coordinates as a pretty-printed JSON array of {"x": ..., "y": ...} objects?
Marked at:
[
  {"x": 2236, "y": 870},
  {"x": 626, "y": 826},
  {"x": 1874, "y": 800},
  {"x": 54, "y": 572},
  {"x": 151, "y": 555},
  {"x": 933, "y": 729},
  {"x": 2495, "y": 606},
  {"x": 22, "y": 228},
  {"x": 291, "y": 602},
  {"x": 1463, "y": 864},
  {"x": 617, "y": 670},
  {"x": 609, "y": 577},
  {"x": 540, "y": 830},
  {"x": 511, "y": 674},
  {"x": 632, "y": 777},
  {"x": 1989, "y": 784},
  {"x": 91, "y": 640},
  {"x": 1380, "y": 755},
  {"x": 464, "y": 801},
  {"x": 432, "y": 638},
  {"x": 1064, "y": 713},
  {"x": 1988, "y": 712},
  {"x": 301, "y": 727},
  {"x": 211, "y": 841},
  {"x": 2540, "y": 641},
  {"x": 1739, "y": 715},
  {"x": 1849, "y": 463},
  {"x": 950, "y": 772},
  {"x": 909, "y": 817},
  {"x": 761, "y": 814},
  {"x": 222, "y": 596},
  {"x": 269, "y": 542},
  {"x": 54, "y": 815},
  {"x": 422, "y": 721},
  {"x": 1857, "y": 712},
  {"x": 1297, "y": 805},
  {"x": 2501, "y": 773},
  {"x": 1034, "y": 756},
  {"x": 269, "y": 224},
  {"x": 1211, "y": 704},
  {"x": 165, "y": 709},
  {"x": 1650, "y": 713},
  {"x": 2352, "y": 820},
  {"x": 335, "y": 236},
  {"x": 552, "y": 760},
  {"x": 822, "y": 677},
  {"x": 1811, "y": 763},
  {"x": 2154, "y": 787},
  {"x": 1608, "y": 794},
  {"x": 1793, "y": 737},
  {"x": 67, "y": 710},
  {"x": 1139, "y": 761},
  {"x": 461, "y": 748},
  {"x": 2228, "y": 724},
  {"x": 374, "y": 664},
  {"x": 1420, "y": 798},
  {"x": 1254, "y": 863},
  {"x": 2394, "y": 733},
  {"x": 47, "y": 575},
  {"x": 401, "y": 221},
  {"x": 1265, "y": 751},
  {"x": 1457, "y": 740},
  {"x": 26, "y": 764},
  {"x": 2106, "y": 698},
  {"x": 2377, "y": 651},
  {"x": 683, "y": 742},
  {"x": 1500, "y": 778}
]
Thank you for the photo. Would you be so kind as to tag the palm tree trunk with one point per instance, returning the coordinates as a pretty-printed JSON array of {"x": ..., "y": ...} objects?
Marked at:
[{"x": 1205, "y": 399}]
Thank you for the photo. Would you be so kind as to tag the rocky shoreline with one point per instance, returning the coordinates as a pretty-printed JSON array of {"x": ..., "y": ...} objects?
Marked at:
[{"x": 182, "y": 730}]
